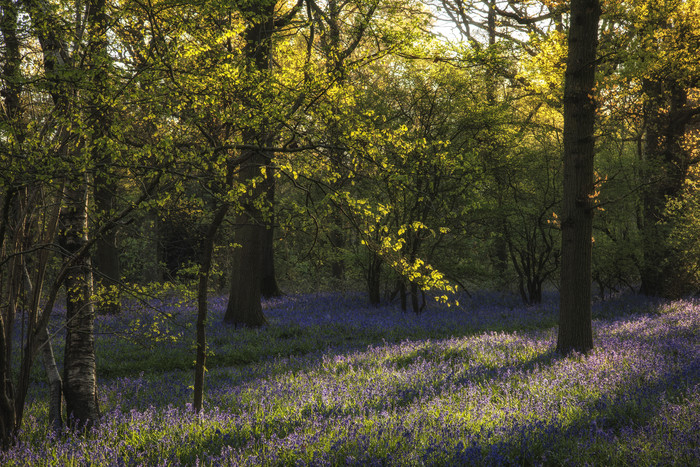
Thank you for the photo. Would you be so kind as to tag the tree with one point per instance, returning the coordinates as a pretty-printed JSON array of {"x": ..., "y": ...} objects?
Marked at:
[
  {"x": 48, "y": 167},
  {"x": 244, "y": 308},
  {"x": 647, "y": 82},
  {"x": 575, "y": 328},
  {"x": 80, "y": 374},
  {"x": 668, "y": 36}
]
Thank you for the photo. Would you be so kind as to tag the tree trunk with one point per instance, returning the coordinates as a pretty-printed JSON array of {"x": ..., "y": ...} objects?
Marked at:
[
  {"x": 337, "y": 239},
  {"x": 55, "y": 382},
  {"x": 202, "y": 290},
  {"x": 10, "y": 117},
  {"x": 244, "y": 308},
  {"x": 153, "y": 256},
  {"x": 7, "y": 405},
  {"x": 268, "y": 285},
  {"x": 402, "y": 291},
  {"x": 415, "y": 304},
  {"x": 575, "y": 328},
  {"x": 80, "y": 372},
  {"x": 374, "y": 271}
]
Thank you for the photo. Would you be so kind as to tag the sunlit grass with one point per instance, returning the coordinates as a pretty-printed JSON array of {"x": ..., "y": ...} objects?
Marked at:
[{"x": 332, "y": 382}]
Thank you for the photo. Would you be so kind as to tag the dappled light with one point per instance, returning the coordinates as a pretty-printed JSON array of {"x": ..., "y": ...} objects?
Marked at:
[
  {"x": 349, "y": 232},
  {"x": 420, "y": 394}
]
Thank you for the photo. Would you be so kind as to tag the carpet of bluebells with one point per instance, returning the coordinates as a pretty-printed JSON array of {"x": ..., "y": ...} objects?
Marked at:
[{"x": 332, "y": 381}]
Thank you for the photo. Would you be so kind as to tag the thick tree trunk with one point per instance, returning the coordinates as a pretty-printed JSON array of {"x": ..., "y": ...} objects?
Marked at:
[
  {"x": 11, "y": 113},
  {"x": 244, "y": 308},
  {"x": 415, "y": 304},
  {"x": 575, "y": 328},
  {"x": 79, "y": 367}
]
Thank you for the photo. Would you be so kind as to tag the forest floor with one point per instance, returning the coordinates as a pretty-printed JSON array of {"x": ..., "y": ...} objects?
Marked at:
[{"x": 333, "y": 381}]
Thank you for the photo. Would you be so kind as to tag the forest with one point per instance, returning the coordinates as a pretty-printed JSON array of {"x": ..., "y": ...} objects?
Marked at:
[{"x": 349, "y": 232}]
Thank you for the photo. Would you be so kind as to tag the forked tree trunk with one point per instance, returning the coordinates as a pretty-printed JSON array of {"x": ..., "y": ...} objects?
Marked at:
[{"x": 575, "y": 328}]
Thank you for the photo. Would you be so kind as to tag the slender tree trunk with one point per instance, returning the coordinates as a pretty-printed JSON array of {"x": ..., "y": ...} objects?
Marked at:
[
  {"x": 153, "y": 256},
  {"x": 501, "y": 241},
  {"x": 337, "y": 238},
  {"x": 374, "y": 271},
  {"x": 202, "y": 291},
  {"x": 575, "y": 328},
  {"x": 55, "y": 382},
  {"x": 80, "y": 372}
]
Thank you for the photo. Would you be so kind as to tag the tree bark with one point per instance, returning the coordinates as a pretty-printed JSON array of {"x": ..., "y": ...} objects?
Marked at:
[
  {"x": 202, "y": 291},
  {"x": 79, "y": 367},
  {"x": 575, "y": 328},
  {"x": 12, "y": 110},
  {"x": 244, "y": 308}
]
